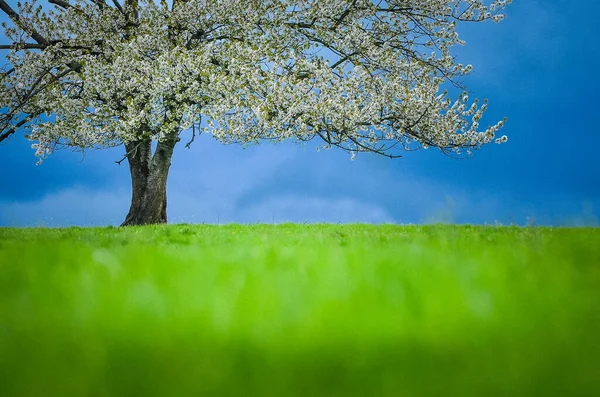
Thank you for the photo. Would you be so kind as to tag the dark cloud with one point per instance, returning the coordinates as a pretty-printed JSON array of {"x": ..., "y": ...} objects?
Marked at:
[{"x": 539, "y": 68}]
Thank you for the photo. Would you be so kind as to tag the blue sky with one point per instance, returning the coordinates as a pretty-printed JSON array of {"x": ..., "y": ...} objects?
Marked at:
[{"x": 539, "y": 68}]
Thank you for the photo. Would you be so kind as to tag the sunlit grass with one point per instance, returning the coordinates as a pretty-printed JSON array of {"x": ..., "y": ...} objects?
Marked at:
[{"x": 300, "y": 310}]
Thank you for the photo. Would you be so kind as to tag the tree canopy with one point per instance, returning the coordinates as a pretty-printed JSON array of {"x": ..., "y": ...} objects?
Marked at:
[{"x": 361, "y": 75}]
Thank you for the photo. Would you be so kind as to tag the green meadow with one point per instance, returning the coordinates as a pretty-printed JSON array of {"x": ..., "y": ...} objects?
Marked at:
[{"x": 300, "y": 310}]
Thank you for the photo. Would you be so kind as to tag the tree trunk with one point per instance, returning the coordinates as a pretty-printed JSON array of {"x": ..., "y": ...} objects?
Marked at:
[{"x": 149, "y": 180}]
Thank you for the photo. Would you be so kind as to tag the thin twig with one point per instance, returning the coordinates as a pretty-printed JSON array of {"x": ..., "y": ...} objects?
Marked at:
[
  {"x": 187, "y": 145},
  {"x": 134, "y": 151}
]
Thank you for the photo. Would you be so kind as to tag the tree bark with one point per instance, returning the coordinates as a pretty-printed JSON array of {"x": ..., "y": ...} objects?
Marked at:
[{"x": 149, "y": 180}]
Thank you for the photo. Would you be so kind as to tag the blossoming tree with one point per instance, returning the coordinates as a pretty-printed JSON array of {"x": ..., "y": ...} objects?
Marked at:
[{"x": 360, "y": 75}]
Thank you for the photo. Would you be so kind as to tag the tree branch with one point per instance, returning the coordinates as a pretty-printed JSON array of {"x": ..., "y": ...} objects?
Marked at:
[
  {"x": 345, "y": 14},
  {"x": 14, "y": 128},
  {"x": 8, "y": 72},
  {"x": 187, "y": 145},
  {"x": 119, "y": 6},
  {"x": 16, "y": 18},
  {"x": 343, "y": 59},
  {"x": 132, "y": 151},
  {"x": 100, "y": 3},
  {"x": 61, "y": 3},
  {"x": 131, "y": 8},
  {"x": 23, "y": 46}
]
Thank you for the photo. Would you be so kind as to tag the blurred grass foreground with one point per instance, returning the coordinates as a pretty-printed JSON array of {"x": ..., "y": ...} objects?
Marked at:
[{"x": 300, "y": 310}]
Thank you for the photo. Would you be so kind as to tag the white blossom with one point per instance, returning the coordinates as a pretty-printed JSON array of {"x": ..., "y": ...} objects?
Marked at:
[{"x": 361, "y": 75}]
